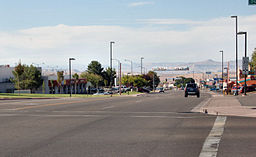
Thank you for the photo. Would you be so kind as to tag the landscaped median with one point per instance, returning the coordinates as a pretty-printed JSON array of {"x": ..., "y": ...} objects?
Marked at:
[{"x": 31, "y": 96}]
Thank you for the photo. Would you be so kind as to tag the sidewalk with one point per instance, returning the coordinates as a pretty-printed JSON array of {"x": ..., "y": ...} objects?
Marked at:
[{"x": 225, "y": 105}]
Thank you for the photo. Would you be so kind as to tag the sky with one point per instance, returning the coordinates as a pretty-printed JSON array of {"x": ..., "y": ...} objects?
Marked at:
[{"x": 49, "y": 32}]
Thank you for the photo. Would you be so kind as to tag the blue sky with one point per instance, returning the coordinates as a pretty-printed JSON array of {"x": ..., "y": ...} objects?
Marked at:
[
  {"x": 16, "y": 14},
  {"x": 50, "y": 31}
]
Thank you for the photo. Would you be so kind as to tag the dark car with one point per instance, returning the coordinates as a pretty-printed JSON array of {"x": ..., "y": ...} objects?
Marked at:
[
  {"x": 160, "y": 90},
  {"x": 144, "y": 90},
  {"x": 192, "y": 89}
]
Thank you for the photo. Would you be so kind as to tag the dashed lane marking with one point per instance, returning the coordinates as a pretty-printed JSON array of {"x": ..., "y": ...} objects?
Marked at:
[
  {"x": 201, "y": 105},
  {"x": 211, "y": 144},
  {"x": 108, "y": 107}
]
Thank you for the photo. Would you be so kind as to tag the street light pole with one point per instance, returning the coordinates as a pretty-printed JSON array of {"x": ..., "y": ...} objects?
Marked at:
[
  {"x": 245, "y": 54},
  {"x": 153, "y": 81},
  {"x": 127, "y": 60},
  {"x": 111, "y": 53},
  {"x": 236, "y": 54},
  {"x": 120, "y": 83},
  {"x": 222, "y": 69},
  {"x": 70, "y": 87},
  {"x": 119, "y": 73},
  {"x": 141, "y": 65}
]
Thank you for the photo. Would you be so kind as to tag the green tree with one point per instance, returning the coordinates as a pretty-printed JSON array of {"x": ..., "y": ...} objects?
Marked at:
[
  {"x": 107, "y": 75},
  {"x": 182, "y": 81},
  {"x": 138, "y": 81},
  {"x": 95, "y": 68},
  {"x": 43, "y": 87},
  {"x": 125, "y": 80},
  {"x": 253, "y": 60},
  {"x": 152, "y": 77},
  {"x": 75, "y": 76},
  {"x": 60, "y": 78},
  {"x": 128, "y": 80},
  {"x": 93, "y": 78},
  {"x": 27, "y": 77},
  {"x": 17, "y": 73}
]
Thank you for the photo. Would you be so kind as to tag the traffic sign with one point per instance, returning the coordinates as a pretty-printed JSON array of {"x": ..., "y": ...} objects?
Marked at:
[
  {"x": 252, "y": 2},
  {"x": 245, "y": 72},
  {"x": 245, "y": 63},
  {"x": 208, "y": 73}
]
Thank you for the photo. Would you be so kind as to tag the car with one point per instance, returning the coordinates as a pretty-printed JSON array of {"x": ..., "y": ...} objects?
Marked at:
[
  {"x": 143, "y": 90},
  {"x": 192, "y": 89},
  {"x": 239, "y": 89},
  {"x": 98, "y": 94},
  {"x": 213, "y": 89},
  {"x": 160, "y": 90}
]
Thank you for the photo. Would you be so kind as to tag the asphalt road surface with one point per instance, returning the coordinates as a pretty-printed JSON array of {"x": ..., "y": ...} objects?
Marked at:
[{"x": 152, "y": 125}]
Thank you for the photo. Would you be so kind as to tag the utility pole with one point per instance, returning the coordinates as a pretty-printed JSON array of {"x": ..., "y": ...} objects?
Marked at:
[
  {"x": 111, "y": 49},
  {"x": 131, "y": 65},
  {"x": 245, "y": 54},
  {"x": 236, "y": 54},
  {"x": 228, "y": 78},
  {"x": 141, "y": 65},
  {"x": 222, "y": 70},
  {"x": 70, "y": 86},
  {"x": 120, "y": 83},
  {"x": 154, "y": 81}
]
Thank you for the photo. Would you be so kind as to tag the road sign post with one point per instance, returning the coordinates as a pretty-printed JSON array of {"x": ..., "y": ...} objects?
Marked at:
[
  {"x": 245, "y": 63},
  {"x": 245, "y": 71}
]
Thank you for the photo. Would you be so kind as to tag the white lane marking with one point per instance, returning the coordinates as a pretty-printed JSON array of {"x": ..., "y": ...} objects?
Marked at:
[
  {"x": 95, "y": 116},
  {"x": 211, "y": 144},
  {"x": 217, "y": 95},
  {"x": 199, "y": 107},
  {"x": 15, "y": 102},
  {"x": 108, "y": 107}
]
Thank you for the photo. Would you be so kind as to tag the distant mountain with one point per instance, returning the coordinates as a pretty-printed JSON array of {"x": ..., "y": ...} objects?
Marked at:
[{"x": 202, "y": 66}]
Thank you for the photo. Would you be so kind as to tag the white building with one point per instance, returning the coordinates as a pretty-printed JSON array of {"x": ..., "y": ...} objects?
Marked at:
[
  {"x": 50, "y": 84},
  {"x": 6, "y": 86}
]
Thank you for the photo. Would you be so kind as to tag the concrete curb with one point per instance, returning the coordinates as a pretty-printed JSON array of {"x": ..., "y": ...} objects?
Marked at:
[{"x": 225, "y": 106}]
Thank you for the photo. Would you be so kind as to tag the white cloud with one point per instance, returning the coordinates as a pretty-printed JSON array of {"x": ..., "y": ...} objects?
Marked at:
[
  {"x": 136, "y": 4},
  {"x": 55, "y": 44},
  {"x": 168, "y": 21}
]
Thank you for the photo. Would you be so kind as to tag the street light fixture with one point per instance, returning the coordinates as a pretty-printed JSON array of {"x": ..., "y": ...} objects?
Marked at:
[
  {"x": 127, "y": 60},
  {"x": 70, "y": 87},
  {"x": 141, "y": 65},
  {"x": 235, "y": 17},
  {"x": 222, "y": 69},
  {"x": 245, "y": 54},
  {"x": 111, "y": 53}
]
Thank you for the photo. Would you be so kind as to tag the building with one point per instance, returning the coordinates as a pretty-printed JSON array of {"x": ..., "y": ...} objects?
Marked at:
[
  {"x": 79, "y": 86},
  {"x": 6, "y": 86},
  {"x": 50, "y": 84}
]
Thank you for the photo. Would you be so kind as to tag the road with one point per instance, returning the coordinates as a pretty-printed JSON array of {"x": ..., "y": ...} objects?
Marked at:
[{"x": 144, "y": 126}]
